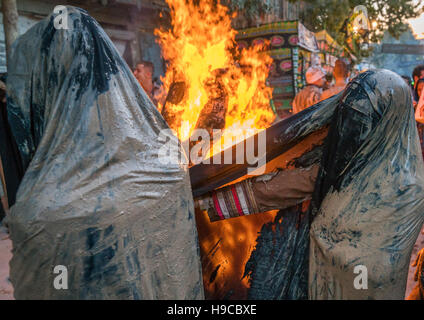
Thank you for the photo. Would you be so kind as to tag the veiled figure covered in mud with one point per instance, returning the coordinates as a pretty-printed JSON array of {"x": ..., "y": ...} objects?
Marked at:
[
  {"x": 365, "y": 184},
  {"x": 94, "y": 198}
]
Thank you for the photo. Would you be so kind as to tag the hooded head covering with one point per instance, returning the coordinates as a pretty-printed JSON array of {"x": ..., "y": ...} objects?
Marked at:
[
  {"x": 94, "y": 198},
  {"x": 369, "y": 198}
]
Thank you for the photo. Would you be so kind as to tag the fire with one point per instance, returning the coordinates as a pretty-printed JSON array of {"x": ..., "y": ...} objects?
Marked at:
[{"x": 202, "y": 53}]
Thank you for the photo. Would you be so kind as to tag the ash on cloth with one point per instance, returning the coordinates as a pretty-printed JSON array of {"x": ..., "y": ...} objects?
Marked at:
[{"x": 94, "y": 197}]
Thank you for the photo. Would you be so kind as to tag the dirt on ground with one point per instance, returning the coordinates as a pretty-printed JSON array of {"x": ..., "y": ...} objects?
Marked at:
[{"x": 6, "y": 289}]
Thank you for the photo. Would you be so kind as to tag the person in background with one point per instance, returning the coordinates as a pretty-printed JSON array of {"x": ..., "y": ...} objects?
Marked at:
[
  {"x": 417, "y": 74},
  {"x": 418, "y": 292},
  {"x": 144, "y": 74},
  {"x": 419, "y": 86},
  {"x": 341, "y": 74},
  {"x": 311, "y": 94},
  {"x": 419, "y": 108},
  {"x": 158, "y": 93}
]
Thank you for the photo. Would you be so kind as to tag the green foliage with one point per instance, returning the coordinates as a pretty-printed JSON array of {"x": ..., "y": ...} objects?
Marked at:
[{"x": 336, "y": 16}]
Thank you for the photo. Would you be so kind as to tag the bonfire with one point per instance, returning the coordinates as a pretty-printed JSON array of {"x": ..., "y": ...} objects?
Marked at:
[{"x": 220, "y": 88}]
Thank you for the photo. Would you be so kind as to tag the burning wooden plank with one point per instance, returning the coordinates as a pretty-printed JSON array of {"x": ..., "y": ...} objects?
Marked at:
[
  {"x": 228, "y": 246},
  {"x": 279, "y": 138}
]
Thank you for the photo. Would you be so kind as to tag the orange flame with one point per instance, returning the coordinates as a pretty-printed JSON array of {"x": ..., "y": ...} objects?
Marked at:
[{"x": 200, "y": 43}]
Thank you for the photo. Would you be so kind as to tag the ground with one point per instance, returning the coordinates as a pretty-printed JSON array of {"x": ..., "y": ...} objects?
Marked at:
[{"x": 6, "y": 290}]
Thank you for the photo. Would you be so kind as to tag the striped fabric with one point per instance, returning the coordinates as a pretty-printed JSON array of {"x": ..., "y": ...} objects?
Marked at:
[{"x": 233, "y": 201}]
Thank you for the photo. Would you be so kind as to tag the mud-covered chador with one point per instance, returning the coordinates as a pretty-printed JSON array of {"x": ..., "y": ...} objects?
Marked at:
[{"x": 94, "y": 198}]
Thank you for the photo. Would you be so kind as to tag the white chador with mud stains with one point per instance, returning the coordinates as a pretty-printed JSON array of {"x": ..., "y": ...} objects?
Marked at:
[{"x": 94, "y": 198}]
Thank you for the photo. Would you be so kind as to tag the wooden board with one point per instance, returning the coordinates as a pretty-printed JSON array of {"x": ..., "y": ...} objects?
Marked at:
[{"x": 227, "y": 245}]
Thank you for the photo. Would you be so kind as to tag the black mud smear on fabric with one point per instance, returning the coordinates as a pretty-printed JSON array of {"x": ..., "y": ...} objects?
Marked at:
[
  {"x": 278, "y": 266},
  {"x": 102, "y": 62},
  {"x": 97, "y": 63}
]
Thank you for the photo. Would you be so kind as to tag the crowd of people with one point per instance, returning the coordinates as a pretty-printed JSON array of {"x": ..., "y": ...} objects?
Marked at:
[
  {"x": 418, "y": 100},
  {"x": 317, "y": 88},
  {"x": 144, "y": 73}
]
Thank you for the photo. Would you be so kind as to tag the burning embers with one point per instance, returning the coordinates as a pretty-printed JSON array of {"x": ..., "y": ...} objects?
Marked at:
[{"x": 211, "y": 83}]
